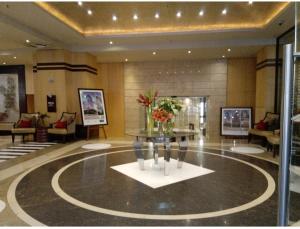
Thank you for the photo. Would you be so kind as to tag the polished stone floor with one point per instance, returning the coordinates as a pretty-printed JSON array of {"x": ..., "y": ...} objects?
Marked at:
[{"x": 79, "y": 188}]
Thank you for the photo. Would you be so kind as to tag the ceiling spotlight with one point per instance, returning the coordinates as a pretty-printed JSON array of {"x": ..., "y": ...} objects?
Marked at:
[
  {"x": 135, "y": 17},
  {"x": 27, "y": 41},
  {"x": 126, "y": 60},
  {"x": 223, "y": 56},
  {"x": 80, "y": 3},
  {"x": 250, "y": 2},
  {"x": 189, "y": 52},
  {"x": 4, "y": 63},
  {"x": 224, "y": 12},
  {"x": 114, "y": 18},
  {"x": 178, "y": 14},
  {"x": 154, "y": 53},
  {"x": 201, "y": 13},
  {"x": 15, "y": 57},
  {"x": 156, "y": 15},
  {"x": 90, "y": 12},
  {"x": 111, "y": 42},
  {"x": 229, "y": 50}
]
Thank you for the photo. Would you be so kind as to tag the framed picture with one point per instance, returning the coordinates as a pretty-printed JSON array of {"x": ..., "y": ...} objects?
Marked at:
[
  {"x": 12, "y": 92},
  {"x": 235, "y": 121},
  {"x": 92, "y": 106}
]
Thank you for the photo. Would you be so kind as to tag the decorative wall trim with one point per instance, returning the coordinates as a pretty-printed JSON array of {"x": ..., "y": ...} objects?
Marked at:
[
  {"x": 65, "y": 66},
  {"x": 267, "y": 63}
]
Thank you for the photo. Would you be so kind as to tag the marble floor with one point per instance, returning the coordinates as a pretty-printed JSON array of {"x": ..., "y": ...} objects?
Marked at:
[{"x": 71, "y": 186}]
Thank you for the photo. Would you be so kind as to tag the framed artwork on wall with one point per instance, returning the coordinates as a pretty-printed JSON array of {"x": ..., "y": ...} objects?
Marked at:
[
  {"x": 12, "y": 92},
  {"x": 235, "y": 121},
  {"x": 92, "y": 106}
]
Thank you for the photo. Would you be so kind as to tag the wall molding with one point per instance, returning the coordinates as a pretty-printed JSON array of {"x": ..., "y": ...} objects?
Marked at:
[
  {"x": 65, "y": 66},
  {"x": 267, "y": 63}
]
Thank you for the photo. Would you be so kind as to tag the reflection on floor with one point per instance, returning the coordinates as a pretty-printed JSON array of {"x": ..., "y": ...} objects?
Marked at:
[{"x": 81, "y": 189}]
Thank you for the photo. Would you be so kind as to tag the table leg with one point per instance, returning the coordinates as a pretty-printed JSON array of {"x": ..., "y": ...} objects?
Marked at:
[
  {"x": 139, "y": 153},
  {"x": 183, "y": 145},
  {"x": 167, "y": 157},
  {"x": 155, "y": 154}
]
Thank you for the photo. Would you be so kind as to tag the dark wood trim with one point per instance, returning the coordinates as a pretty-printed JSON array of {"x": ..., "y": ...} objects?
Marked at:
[
  {"x": 266, "y": 63},
  {"x": 65, "y": 66},
  {"x": 20, "y": 71}
]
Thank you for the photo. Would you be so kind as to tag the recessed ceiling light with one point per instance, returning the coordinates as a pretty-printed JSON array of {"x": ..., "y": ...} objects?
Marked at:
[
  {"x": 111, "y": 42},
  {"x": 178, "y": 14},
  {"x": 135, "y": 17},
  {"x": 223, "y": 56},
  {"x": 156, "y": 15},
  {"x": 201, "y": 13},
  {"x": 80, "y": 3},
  {"x": 15, "y": 57},
  {"x": 27, "y": 41},
  {"x": 189, "y": 52},
  {"x": 126, "y": 60},
  {"x": 154, "y": 53},
  {"x": 224, "y": 12},
  {"x": 4, "y": 63},
  {"x": 229, "y": 50},
  {"x": 90, "y": 12},
  {"x": 114, "y": 18},
  {"x": 250, "y": 2}
]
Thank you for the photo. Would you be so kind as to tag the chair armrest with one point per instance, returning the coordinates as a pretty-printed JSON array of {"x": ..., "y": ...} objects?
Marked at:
[
  {"x": 71, "y": 127},
  {"x": 276, "y": 132}
]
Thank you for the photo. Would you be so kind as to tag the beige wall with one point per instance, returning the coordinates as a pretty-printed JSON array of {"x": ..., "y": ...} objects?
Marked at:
[
  {"x": 176, "y": 78},
  {"x": 265, "y": 84},
  {"x": 112, "y": 82},
  {"x": 241, "y": 82},
  {"x": 29, "y": 79}
]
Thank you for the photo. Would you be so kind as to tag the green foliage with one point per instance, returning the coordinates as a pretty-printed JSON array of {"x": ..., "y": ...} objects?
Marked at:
[{"x": 170, "y": 105}]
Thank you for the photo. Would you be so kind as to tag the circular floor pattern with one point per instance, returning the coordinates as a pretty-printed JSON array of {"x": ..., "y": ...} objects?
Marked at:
[
  {"x": 96, "y": 146},
  {"x": 2, "y": 205},
  {"x": 246, "y": 149},
  {"x": 237, "y": 181}
]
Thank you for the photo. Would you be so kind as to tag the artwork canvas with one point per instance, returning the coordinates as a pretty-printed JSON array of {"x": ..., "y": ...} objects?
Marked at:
[
  {"x": 9, "y": 98},
  {"x": 92, "y": 107},
  {"x": 236, "y": 121}
]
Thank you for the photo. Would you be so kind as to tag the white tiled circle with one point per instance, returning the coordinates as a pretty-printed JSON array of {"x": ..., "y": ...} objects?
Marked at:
[
  {"x": 2, "y": 205},
  {"x": 246, "y": 149},
  {"x": 96, "y": 146}
]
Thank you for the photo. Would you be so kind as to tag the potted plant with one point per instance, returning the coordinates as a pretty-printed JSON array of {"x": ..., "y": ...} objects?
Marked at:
[{"x": 42, "y": 126}]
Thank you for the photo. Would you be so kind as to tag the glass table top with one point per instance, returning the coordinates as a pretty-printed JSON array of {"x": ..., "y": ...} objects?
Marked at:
[{"x": 156, "y": 134}]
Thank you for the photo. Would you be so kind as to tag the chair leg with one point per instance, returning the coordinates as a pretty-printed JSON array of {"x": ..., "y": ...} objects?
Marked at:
[
  {"x": 23, "y": 138},
  {"x": 64, "y": 138},
  {"x": 13, "y": 138},
  {"x": 249, "y": 138},
  {"x": 274, "y": 151}
]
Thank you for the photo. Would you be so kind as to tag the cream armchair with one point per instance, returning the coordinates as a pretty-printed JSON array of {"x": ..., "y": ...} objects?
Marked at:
[
  {"x": 19, "y": 128},
  {"x": 69, "y": 129}
]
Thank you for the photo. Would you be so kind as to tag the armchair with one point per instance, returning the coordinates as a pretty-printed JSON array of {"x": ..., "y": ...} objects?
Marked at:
[
  {"x": 272, "y": 123},
  {"x": 26, "y": 125},
  {"x": 65, "y": 126}
]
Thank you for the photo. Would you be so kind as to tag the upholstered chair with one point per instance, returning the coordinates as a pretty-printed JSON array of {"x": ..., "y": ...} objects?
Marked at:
[
  {"x": 26, "y": 125},
  {"x": 65, "y": 126}
]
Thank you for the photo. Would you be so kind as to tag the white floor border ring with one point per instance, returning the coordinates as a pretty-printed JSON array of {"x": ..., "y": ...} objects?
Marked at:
[
  {"x": 31, "y": 221},
  {"x": 266, "y": 195}
]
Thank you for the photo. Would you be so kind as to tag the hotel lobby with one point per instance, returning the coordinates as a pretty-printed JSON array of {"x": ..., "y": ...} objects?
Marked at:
[{"x": 149, "y": 114}]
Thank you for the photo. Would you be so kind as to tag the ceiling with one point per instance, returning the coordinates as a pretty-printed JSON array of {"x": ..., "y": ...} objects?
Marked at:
[
  {"x": 244, "y": 29},
  {"x": 239, "y": 15}
]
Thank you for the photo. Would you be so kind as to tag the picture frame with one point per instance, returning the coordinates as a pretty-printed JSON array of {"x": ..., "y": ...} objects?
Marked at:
[
  {"x": 12, "y": 93},
  {"x": 92, "y": 107},
  {"x": 235, "y": 121}
]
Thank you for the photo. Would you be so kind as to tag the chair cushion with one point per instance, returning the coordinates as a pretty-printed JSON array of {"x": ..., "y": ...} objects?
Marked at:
[
  {"x": 262, "y": 125},
  {"x": 61, "y": 124},
  {"x": 262, "y": 133},
  {"x": 274, "y": 139},
  {"x": 57, "y": 131},
  {"x": 25, "y": 124},
  {"x": 23, "y": 130}
]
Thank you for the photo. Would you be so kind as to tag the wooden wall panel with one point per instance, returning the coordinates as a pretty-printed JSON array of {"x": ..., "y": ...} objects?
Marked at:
[
  {"x": 30, "y": 103},
  {"x": 241, "y": 82}
]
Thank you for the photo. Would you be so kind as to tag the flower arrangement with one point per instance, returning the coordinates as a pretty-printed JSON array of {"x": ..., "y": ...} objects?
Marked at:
[
  {"x": 148, "y": 99},
  {"x": 165, "y": 113}
]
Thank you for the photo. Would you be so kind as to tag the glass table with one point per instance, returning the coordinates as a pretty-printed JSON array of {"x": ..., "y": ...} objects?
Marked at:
[{"x": 156, "y": 137}]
